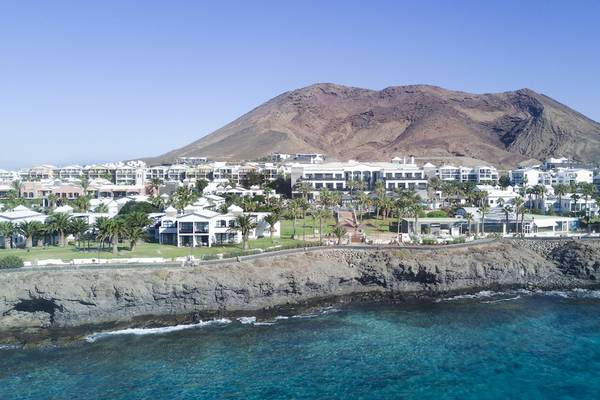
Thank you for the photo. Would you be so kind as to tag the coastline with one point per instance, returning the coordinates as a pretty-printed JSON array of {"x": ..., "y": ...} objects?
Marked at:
[{"x": 56, "y": 306}]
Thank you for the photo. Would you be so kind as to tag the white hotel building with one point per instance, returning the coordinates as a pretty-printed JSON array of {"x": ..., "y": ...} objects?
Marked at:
[
  {"x": 399, "y": 173},
  {"x": 201, "y": 227}
]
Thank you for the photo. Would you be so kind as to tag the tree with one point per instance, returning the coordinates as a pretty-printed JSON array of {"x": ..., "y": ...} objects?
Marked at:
[
  {"x": 82, "y": 203},
  {"x": 293, "y": 212},
  {"x": 16, "y": 186},
  {"x": 560, "y": 190},
  {"x": 339, "y": 232},
  {"x": 60, "y": 222},
  {"x": 137, "y": 219},
  {"x": 321, "y": 214},
  {"x": 183, "y": 197},
  {"x": 155, "y": 186},
  {"x": 507, "y": 210},
  {"x": 101, "y": 208},
  {"x": 304, "y": 207},
  {"x": 52, "y": 200},
  {"x": 115, "y": 228},
  {"x": 518, "y": 203},
  {"x": 79, "y": 227},
  {"x": 272, "y": 219},
  {"x": 483, "y": 210},
  {"x": 504, "y": 181},
  {"x": 134, "y": 234},
  {"x": 29, "y": 229},
  {"x": 364, "y": 202},
  {"x": 132, "y": 207},
  {"x": 7, "y": 230},
  {"x": 245, "y": 223},
  {"x": 84, "y": 182},
  {"x": 305, "y": 188},
  {"x": 469, "y": 218},
  {"x": 588, "y": 190}
]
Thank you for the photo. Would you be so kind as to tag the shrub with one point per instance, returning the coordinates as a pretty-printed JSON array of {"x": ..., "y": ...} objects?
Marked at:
[
  {"x": 10, "y": 262},
  {"x": 437, "y": 214},
  {"x": 459, "y": 240},
  {"x": 428, "y": 241}
]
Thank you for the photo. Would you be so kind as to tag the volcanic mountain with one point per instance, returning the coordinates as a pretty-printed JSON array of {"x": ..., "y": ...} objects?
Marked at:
[{"x": 427, "y": 121}]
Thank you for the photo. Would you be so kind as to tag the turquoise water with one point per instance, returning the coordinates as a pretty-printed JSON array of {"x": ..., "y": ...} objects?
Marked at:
[{"x": 510, "y": 346}]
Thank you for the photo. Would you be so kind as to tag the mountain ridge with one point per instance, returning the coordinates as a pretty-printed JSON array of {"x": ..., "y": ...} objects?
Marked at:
[{"x": 347, "y": 122}]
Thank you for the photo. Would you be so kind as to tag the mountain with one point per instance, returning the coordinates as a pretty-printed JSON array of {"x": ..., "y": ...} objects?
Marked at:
[{"x": 427, "y": 121}]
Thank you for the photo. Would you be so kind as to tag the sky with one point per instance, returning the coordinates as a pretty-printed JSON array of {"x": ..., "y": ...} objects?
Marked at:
[{"x": 90, "y": 81}]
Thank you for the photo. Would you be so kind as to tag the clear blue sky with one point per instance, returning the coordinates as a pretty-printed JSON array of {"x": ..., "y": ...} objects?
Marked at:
[{"x": 86, "y": 81}]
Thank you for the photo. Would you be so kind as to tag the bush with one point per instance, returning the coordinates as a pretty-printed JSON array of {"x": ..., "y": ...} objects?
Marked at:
[
  {"x": 10, "y": 262},
  {"x": 437, "y": 214},
  {"x": 459, "y": 240},
  {"x": 428, "y": 241}
]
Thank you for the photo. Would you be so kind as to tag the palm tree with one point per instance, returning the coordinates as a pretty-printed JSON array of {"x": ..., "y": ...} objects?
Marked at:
[
  {"x": 245, "y": 223},
  {"x": 402, "y": 206},
  {"x": 364, "y": 202},
  {"x": 507, "y": 210},
  {"x": 61, "y": 224},
  {"x": 322, "y": 214},
  {"x": 138, "y": 219},
  {"x": 84, "y": 182},
  {"x": 114, "y": 229},
  {"x": 518, "y": 203},
  {"x": 16, "y": 186},
  {"x": 82, "y": 203},
  {"x": 248, "y": 204},
  {"x": 560, "y": 190},
  {"x": 272, "y": 219},
  {"x": 339, "y": 233},
  {"x": 575, "y": 197},
  {"x": 183, "y": 197},
  {"x": 469, "y": 218},
  {"x": 293, "y": 211},
  {"x": 79, "y": 227},
  {"x": 29, "y": 230},
  {"x": 7, "y": 230},
  {"x": 483, "y": 210},
  {"x": 305, "y": 188},
  {"x": 101, "y": 208},
  {"x": 134, "y": 234},
  {"x": 52, "y": 199},
  {"x": 587, "y": 190},
  {"x": 304, "y": 206},
  {"x": 155, "y": 186}
]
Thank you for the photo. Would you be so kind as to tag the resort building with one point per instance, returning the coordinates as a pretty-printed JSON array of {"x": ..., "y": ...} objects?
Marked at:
[
  {"x": 198, "y": 227},
  {"x": 128, "y": 175},
  {"x": 309, "y": 158},
  {"x": 69, "y": 173},
  {"x": 8, "y": 176},
  {"x": 335, "y": 175},
  {"x": 191, "y": 161},
  {"x": 477, "y": 174},
  {"x": 496, "y": 195}
]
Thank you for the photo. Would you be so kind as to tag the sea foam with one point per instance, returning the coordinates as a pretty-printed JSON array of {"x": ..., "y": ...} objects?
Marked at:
[{"x": 155, "y": 331}]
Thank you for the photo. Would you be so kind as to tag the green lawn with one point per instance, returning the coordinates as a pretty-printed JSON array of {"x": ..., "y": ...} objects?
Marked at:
[
  {"x": 142, "y": 250},
  {"x": 167, "y": 251},
  {"x": 307, "y": 225},
  {"x": 373, "y": 226}
]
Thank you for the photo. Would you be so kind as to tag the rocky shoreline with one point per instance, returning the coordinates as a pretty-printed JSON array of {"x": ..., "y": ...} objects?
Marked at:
[{"x": 64, "y": 303}]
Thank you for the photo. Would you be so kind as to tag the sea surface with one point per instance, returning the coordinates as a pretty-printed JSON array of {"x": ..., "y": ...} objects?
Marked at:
[{"x": 511, "y": 345}]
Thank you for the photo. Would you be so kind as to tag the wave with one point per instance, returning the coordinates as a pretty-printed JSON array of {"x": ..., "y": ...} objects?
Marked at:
[
  {"x": 155, "y": 331},
  {"x": 9, "y": 347},
  {"x": 577, "y": 293},
  {"x": 247, "y": 320}
]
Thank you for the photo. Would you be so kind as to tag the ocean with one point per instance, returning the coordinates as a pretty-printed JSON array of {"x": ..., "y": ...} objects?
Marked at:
[{"x": 511, "y": 345}]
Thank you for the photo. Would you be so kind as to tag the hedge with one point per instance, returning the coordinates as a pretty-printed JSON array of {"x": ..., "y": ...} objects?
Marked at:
[{"x": 10, "y": 262}]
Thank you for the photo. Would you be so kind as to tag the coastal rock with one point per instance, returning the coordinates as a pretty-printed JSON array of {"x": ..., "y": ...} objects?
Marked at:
[{"x": 77, "y": 297}]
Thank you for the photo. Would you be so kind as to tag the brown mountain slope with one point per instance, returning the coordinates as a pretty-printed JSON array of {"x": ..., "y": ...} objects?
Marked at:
[{"x": 345, "y": 122}]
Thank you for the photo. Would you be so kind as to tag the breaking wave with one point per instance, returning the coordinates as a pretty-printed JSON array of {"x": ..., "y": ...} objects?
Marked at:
[
  {"x": 489, "y": 297},
  {"x": 155, "y": 331}
]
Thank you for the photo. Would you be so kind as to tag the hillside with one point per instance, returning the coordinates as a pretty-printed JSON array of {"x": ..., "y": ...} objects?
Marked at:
[{"x": 352, "y": 123}]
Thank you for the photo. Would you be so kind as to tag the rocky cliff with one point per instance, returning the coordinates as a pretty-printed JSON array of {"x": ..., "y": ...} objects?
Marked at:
[{"x": 76, "y": 297}]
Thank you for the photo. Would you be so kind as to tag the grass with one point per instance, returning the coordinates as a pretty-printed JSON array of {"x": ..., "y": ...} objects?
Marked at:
[
  {"x": 146, "y": 250},
  {"x": 374, "y": 226},
  {"x": 142, "y": 250}
]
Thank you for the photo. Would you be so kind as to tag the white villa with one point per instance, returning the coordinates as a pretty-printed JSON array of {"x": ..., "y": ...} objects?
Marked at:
[{"x": 198, "y": 227}]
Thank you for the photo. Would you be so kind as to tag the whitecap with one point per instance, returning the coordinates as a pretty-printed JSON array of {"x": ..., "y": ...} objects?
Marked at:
[
  {"x": 155, "y": 331},
  {"x": 247, "y": 320},
  {"x": 501, "y": 300}
]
